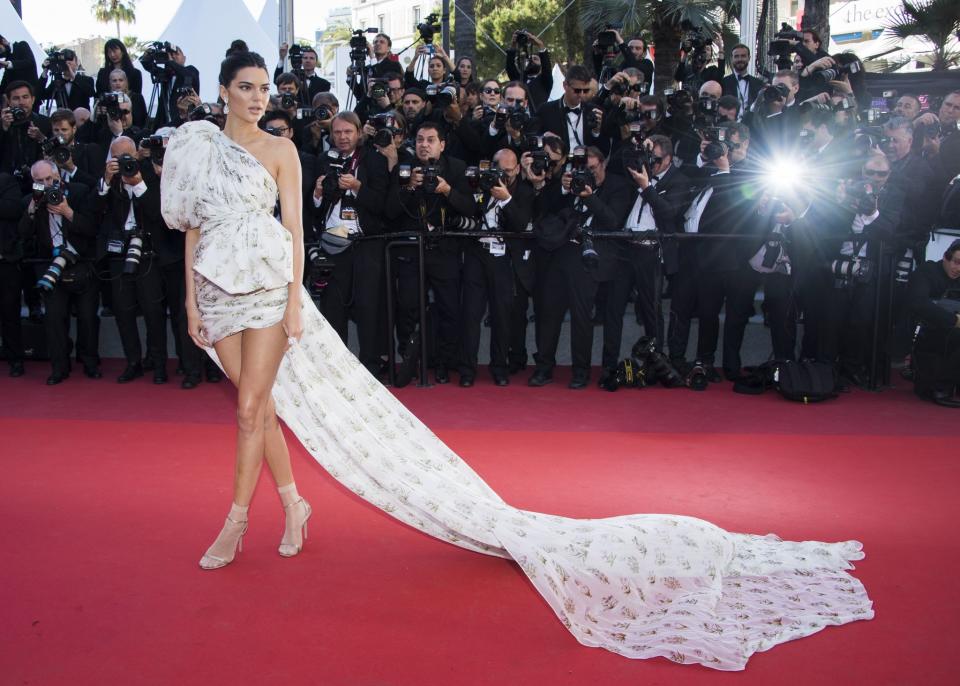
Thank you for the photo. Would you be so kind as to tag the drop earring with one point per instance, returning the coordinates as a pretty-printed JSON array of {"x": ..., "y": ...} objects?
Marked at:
[{"x": 226, "y": 107}]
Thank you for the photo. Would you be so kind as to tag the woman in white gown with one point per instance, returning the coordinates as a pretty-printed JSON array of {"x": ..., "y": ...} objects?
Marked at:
[{"x": 638, "y": 585}]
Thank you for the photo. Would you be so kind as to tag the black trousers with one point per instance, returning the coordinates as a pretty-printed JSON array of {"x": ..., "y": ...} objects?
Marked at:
[
  {"x": 683, "y": 308},
  {"x": 936, "y": 360},
  {"x": 640, "y": 268},
  {"x": 143, "y": 289},
  {"x": 566, "y": 285},
  {"x": 814, "y": 289},
  {"x": 847, "y": 325},
  {"x": 442, "y": 273},
  {"x": 487, "y": 281},
  {"x": 355, "y": 290},
  {"x": 57, "y": 304},
  {"x": 736, "y": 289},
  {"x": 780, "y": 304},
  {"x": 174, "y": 294},
  {"x": 10, "y": 289},
  {"x": 519, "y": 307}
]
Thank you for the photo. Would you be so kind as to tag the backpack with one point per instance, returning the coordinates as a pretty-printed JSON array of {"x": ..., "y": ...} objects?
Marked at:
[{"x": 806, "y": 381}]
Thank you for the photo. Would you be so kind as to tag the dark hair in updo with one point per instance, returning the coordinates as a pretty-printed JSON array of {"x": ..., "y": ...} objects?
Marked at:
[{"x": 237, "y": 61}]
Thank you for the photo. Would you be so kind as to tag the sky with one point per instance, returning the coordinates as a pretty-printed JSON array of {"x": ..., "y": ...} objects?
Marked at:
[{"x": 60, "y": 21}]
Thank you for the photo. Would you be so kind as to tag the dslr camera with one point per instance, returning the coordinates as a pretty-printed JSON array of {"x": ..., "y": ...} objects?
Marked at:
[
  {"x": 331, "y": 180},
  {"x": 56, "y": 149},
  {"x": 386, "y": 125},
  {"x": 129, "y": 166},
  {"x": 442, "y": 95},
  {"x": 428, "y": 28},
  {"x": 491, "y": 177},
  {"x": 157, "y": 145},
  {"x": 53, "y": 194},
  {"x": 431, "y": 177},
  {"x": 110, "y": 102},
  {"x": 580, "y": 175},
  {"x": 288, "y": 101}
]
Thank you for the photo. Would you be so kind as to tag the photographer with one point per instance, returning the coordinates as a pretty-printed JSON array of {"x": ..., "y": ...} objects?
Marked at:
[
  {"x": 427, "y": 198},
  {"x": 439, "y": 69},
  {"x": 348, "y": 200},
  {"x": 18, "y": 64},
  {"x": 941, "y": 139},
  {"x": 591, "y": 200},
  {"x": 535, "y": 72},
  {"x": 381, "y": 63},
  {"x": 59, "y": 229},
  {"x": 278, "y": 123},
  {"x": 696, "y": 52},
  {"x": 383, "y": 95},
  {"x": 660, "y": 199},
  {"x": 634, "y": 55},
  {"x": 119, "y": 83},
  {"x": 774, "y": 116},
  {"x": 115, "y": 57},
  {"x": 573, "y": 117},
  {"x": 21, "y": 133},
  {"x": 490, "y": 264},
  {"x": 134, "y": 274},
  {"x": 934, "y": 298},
  {"x": 11, "y": 256},
  {"x": 740, "y": 84},
  {"x": 507, "y": 123},
  {"x": 178, "y": 76},
  {"x": 304, "y": 62},
  {"x": 316, "y": 133},
  {"x": 115, "y": 119},
  {"x": 65, "y": 87},
  {"x": 80, "y": 162},
  {"x": 869, "y": 213}
]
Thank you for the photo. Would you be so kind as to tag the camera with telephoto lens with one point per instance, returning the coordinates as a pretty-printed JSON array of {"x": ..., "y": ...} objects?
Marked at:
[
  {"x": 157, "y": 145},
  {"x": 321, "y": 269},
  {"x": 580, "y": 175},
  {"x": 491, "y": 177},
  {"x": 134, "y": 252},
  {"x": 678, "y": 101},
  {"x": 442, "y": 95},
  {"x": 56, "y": 148},
  {"x": 591, "y": 117},
  {"x": 501, "y": 115},
  {"x": 378, "y": 89},
  {"x": 716, "y": 146},
  {"x": 637, "y": 157},
  {"x": 774, "y": 92},
  {"x": 519, "y": 118},
  {"x": 129, "y": 166},
  {"x": 63, "y": 257},
  {"x": 658, "y": 367},
  {"x": 431, "y": 177},
  {"x": 386, "y": 125},
  {"x": 156, "y": 59},
  {"x": 848, "y": 269},
  {"x": 288, "y": 101},
  {"x": 588, "y": 251},
  {"x": 694, "y": 38},
  {"x": 696, "y": 379},
  {"x": 54, "y": 194},
  {"x": 539, "y": 159},
  {"x": 331, "y": 180},
  {"x": 428, "y": 28},
  {"x": 861, "y": 196},
  {"x": 458, "y": 222},
  {"x": 200, "y": 112},
  {"x": 836, "y": 72}
]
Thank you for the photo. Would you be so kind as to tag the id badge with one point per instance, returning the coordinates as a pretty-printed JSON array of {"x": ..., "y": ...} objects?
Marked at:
[
  {"x": 348, "y": 214},
  {"x": 115, "y": 247},
  {"x": 498, "y": 248}
]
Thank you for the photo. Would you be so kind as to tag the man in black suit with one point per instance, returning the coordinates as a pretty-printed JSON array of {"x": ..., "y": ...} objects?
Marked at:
[
  {"x": 537, "y": 72},
  {"x": 572, "y": 117},
  {"x": 85, "y": 161},
  {"x": 21, "y": 132},
  {"x": 775, "y": 120},
  {"x": 381, "y": 63},
  {"x": 18, "y": 63},
  {"x": 571, "y": 278},
  {"x": 109, "y": 127},
  {"x": 488, "y": 268},
  {"x": 66, "y": 230},
  {"x": 136, "y": 284},
  {"x": 311, "y": 82},
  {"x": 657, "y": 206},
  {"x": 427, "y": 204},
  {"x": 744, "y": 87},
  {"x": 68, "y": 89},
  {"x": 182, "y": 76},
  {"x": 345, "y": 211},
  {"x": 11, "y": 255}
]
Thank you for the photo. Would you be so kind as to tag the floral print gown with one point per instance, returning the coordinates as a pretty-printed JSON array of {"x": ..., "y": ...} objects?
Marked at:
[{"x": 642, "y": 586}]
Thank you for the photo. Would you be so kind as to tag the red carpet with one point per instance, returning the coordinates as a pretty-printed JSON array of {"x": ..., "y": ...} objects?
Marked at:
[{"x": 111, "y": 494}]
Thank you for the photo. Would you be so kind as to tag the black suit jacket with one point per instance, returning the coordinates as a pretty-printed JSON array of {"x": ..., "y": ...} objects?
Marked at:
[
  {"x": 81, "y": 232},
  {"x": 668, "y": 200},
  {"x": 112, "y": 210},
  {"x": 725, "y": 213},
  {"x": 81, "y": 91},
  {"x": 18, "y": 149},
  {"x": 90, "y": 159},
  {"x": 551, "y": 117},
  {"x": 607, "y": 209},
  {"x": 374, "y": 177},
  {"x": 539, "y": 85},
  {"x": 314, "y": 84},
  {"x": 24, "y": 66},
  {"x": 731, "y": 87},
  {"x": 183, "y": 76},
  {"x": 167, "y": 243},
  {"x": 11, "y": 209},
  {"x": 515, "y": 217}
]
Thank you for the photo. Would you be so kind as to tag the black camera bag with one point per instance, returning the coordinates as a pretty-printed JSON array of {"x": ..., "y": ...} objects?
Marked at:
[{"x": 806, "y": 381}]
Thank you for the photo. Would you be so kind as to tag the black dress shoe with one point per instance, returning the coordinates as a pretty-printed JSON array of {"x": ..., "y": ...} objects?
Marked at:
[
  {"x": 943, "y": 398},
  {"x": 713, "y": 376},
  {"x": 540, "y": 378},
  {"x": 501, "y": 380},
  {"x": 579, "y": 381},
  {"x": 441, "y": 375},
  {"x": 731, "y": 375},
  {"x": 605, "y": 377},
  {"x": 16, "y": 369},
  {"x": 214, "y": 375},
  {"x": 466, "y": 380},
  {"x": 160, "y": 376},
  {"x": 56, "y": 378},
  {"x": 130, "y": 373},
  {"x": 92, "y": 372},
  {"x": 190, "y": 381}
]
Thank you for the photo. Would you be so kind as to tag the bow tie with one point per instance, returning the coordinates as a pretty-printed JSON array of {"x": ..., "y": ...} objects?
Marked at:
[{"x": 571, "y": 110}]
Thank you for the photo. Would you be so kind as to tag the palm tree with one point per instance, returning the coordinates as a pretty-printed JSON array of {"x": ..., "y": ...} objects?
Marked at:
[
  {"x": 106, "y": 11},
  {"x": 663, "y": 18},
  {"x": 935, "y": 21}
]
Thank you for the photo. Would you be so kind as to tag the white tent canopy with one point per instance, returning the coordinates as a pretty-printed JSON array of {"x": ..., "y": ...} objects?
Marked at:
[
  {"x": 270, "y": 20},
  {"x": 204, "y": 31},
  {"x": 12, "y": 28}
]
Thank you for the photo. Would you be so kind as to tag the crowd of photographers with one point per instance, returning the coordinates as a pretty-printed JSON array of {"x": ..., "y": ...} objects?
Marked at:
[{"x": 719, "y": 187}]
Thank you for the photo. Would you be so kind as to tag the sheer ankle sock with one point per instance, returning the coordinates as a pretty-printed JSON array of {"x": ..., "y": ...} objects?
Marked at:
[
  {"x": 229, "y": 541},
  {"x": 297, "y": 511}
]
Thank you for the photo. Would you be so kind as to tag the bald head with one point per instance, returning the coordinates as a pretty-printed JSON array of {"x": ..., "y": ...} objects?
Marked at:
[
  {"x": 82, "y": 115},
  {"x": 711, "y": 89},
  {"x": 506, "y": 158},
  {"x": 123, "y": 145},
  {"x": 45, "y": 172}
]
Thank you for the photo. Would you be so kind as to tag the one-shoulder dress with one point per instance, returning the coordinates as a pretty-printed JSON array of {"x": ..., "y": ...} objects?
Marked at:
[{"x": 642, "y": 586}]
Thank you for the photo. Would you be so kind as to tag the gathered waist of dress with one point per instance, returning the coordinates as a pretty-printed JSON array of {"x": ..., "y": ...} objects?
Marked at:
[{"x": 245, "y": 252}]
